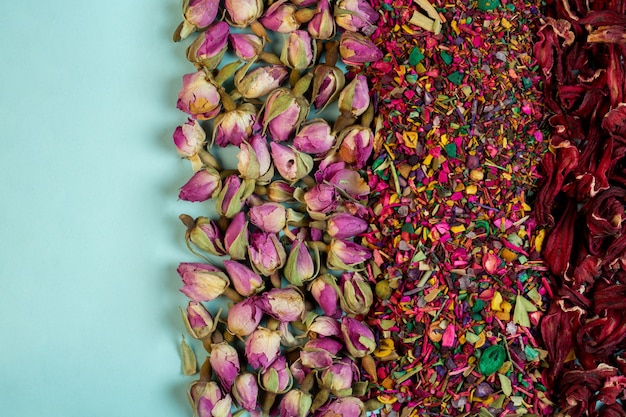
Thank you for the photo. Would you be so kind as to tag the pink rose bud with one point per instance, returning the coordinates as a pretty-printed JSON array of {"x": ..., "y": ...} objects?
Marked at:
[
  {"x": 199, "y": 97},
  {"x": 339, "y": 376},
  {"x": 225, "y": 363},
  {"x": 244, "y": 317},
  {"x": 247, "y": 46},
  {"x": 235, "y": 126},
  {"x": 206, "y": 235},
  {"x": 245, "y": 280},
  {"x": 299, "y": 371},
  {"x": 189, "y": 138},
  {"x": 325, "y": 291},
  {"x": 314, "y": 137},
  {"x": 351, "y": 182},
  {"x": 197, "y": 14},
  {"x": 261, "y": 81},
  {"x": 208, "y": 49},
  {"x": 236, "y": 237},
  {"x": 280, "y": 192},
  {"x": 322, "y": 25},
  {"x": 299, "y": 50},
  {"x": 300, "y": 266},
  {"x": 231, "y": 198},
  {"x": 291, "y": 164},
  {"x": 356, "y": 16},
  {"x": 254, "y": 159},
  {"x": 202, "y": 282},
  {"x": 343, "y": 254},
  {"x": 243, "y": 12},
  {"x": 269, "y": 217},
  {"x": 267, "y": 254},
  {"x": 325, "y": 326},
  {"x": 262, "y": 347},
  {"x": 280, "y": 17},
  {"x": 357, "y": 293},
  {"x": 328, "y": 82},
  {"x": 358, "y": 337},
  {"x": 246, "y": 391},
  {"x": 344, "y": 225},
  {"x": 198, "y": 320},
  {"x": 283, "y": 304},
  {"x": 319, "y": 353},
  {"x": 355, "y": 98},
  {"x": 357, "y": 143},
  {"x": 203, "y": 185},
  {"x": 208, "y": 399},
  {"x": 344, "y": 407},
  {"x": 356, "y": 49},
  {"x": 277, "y": 378},
  {"x": 295, "y": 403},
  {"x": 322, "y": 198},
  {"x": 283, "y": 113}
]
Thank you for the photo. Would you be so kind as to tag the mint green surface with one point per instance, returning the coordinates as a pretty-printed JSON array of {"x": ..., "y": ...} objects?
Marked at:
[{"x": 89, "y": 235}]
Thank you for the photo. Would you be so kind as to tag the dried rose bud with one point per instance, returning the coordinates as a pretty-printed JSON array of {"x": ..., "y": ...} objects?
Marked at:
[
  {"x": 208, "y": 399},
  {"x": 203, "y": 185},
  {"x": 189, "y": 138},
  {"x": 197, "y": 14},
  {"x": 262, "y": 348},
  {"x": 300, "y": 265},
  {"x": 283, "y": 304},
  {"x": 339, "y": 376},
  {"x": 267, "y": 254},
  {"x": 356, "y": 49},
  {"x": 357, "y": 143},
  {"x": 254, "y": 160},
  {"x": 261, "y": 81},
  {"x": 245, "y": 280},
  {"x": 325, "y": 326},
  {"x": 247, "y": 46},
  {"x": 244, "y": 317},
  {"x": 295, "y": 403},
  {"x": 356, "y": 16},
  {"x": 231, "y": 198},
  {"x": 209, "y": 47},
  {"x": 280, "y": 192},
  {"x": 344, "y": 225},
  {"x": 350, "y": 181},
  {"x": 322, "y": 25},
  {"x": 358, "y": 337},
  {"x": 346, "y": 255},
  {"x": 291, "y": 164},
  {"x": 284, "y": 112},
  {"x": 357, "y": 293},
  {"x": 225, "y": 363},
  {"x": 199, "y": 96},
  {"x": 236, "y": 237},
  {"x": 322, "y": 198},
  {"x": 235, "y": 126},
  {"x": 299, "y": 50},
  {"x": 206, "y": 235},
  {"x": 246, "y": 391},
  {"x": 277, "y": 378},
  {"x": 314, "y": 137},
  {"x": 299, "y": 371},
  {"x": 319, "y": 353},
  {"x": 269, "y": 217},
  {"x": 344, "y": 407},
  {"x": 355, "y": 98},
  {"x": 325, "y": 291},
  {"x": 280, "y": 17},
  {"x": 198, "y": 320},
  {"x": 243, "y": 12},
  {"x": 328, "y": 82},
  {"x": 202, "y": 282}
]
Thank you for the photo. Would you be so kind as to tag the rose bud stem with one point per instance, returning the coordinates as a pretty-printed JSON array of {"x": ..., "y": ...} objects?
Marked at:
[
  {"x": 320, "y": 48},
  {"x": 368, "y": 363},
  {"x": 187, "y": 220},
  {"x": 320, "y": 399},
  {"x": 216, "y": 338},
  {"x": 309, "y": 181},
  {"x": 229, "y": 337},
  {"x": 207, "y": 342},
  {"x": 294, "y": 77},
  {"x": 205, "y": 371},
  {"x": 232, "y": 295},
  {"x": 272, "y": 323},
  {"x": 227, "y": 100},
  {"x": 260, "y": 190},
  {"x": 289, "y": 234},
  {"x": 307, "y": 382},
  {"x": 268, "y": 402},
  {"x": 343, "y": 121},
  {"x": 208, "y": 159},
  {"x": 226, "y": 72},
  {"x": 228, "y": 172},
  {"x": 304, "y": 15},
  {"x": 298, "y": 324},
  {"x": 275, "y": 279},
  {"x": 270, "y": 58},
  {"x": 368, "y": 117},
  {"x": 321, "y": 246},
  {"x": 258, "y": 29},
  {"x": 332, "y": 52}
]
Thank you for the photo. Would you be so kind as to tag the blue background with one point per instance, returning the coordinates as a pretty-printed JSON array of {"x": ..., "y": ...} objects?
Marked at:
[{"x": 90, "y": 237}]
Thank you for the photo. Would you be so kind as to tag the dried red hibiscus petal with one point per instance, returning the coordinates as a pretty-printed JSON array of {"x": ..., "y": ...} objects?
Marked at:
[{"x": 558, "y": 250}]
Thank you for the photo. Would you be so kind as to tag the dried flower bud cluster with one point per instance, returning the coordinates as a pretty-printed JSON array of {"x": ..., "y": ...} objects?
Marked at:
[{"x": 293, "y": 211}]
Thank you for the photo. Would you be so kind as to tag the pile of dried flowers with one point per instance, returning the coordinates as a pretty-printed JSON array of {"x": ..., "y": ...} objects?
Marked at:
[
  {"x": 581, "y": 52},
  {"x": 292, "y": 213}
]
